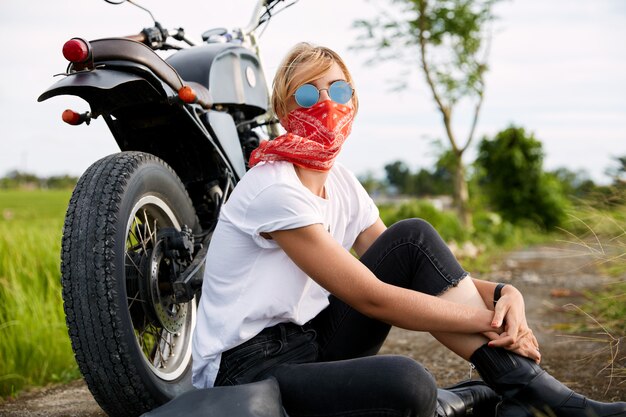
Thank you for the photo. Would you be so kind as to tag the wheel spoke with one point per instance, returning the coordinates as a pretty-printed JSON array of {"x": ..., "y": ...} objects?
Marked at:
[
  {"x": 165, "y": 350},
  {"x": 160, "y": 346},
  {"x": 135, "y": 298},
  {"x": 141, "y": 238},
  {"x": 147, "y": 225},
  {"x": 134, "y": 241},
  {"x": 165, "y": 335},
  {"x": 132, "y": 261},
  {"x": 132, "y": 236},
  {"x": 156, "y": 355},
  {"x": 165, "y": 346}
]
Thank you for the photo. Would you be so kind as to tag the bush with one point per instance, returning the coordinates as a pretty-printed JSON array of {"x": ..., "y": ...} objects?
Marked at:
[
  {"x": 446, "y": 223},
  {"x": 490, "y": 236},
  {"x": 512, "y": 178}
]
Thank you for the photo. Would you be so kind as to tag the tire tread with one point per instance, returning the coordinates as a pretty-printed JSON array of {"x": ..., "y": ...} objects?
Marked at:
[{"x": 91, "y": 302}]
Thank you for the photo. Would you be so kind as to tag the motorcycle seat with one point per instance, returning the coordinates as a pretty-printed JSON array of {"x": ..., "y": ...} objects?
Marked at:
[{"x": 122, "y": 49}]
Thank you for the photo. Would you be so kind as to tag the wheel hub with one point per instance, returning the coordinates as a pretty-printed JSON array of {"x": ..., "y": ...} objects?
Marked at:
[{"x": 171, "y": 315}]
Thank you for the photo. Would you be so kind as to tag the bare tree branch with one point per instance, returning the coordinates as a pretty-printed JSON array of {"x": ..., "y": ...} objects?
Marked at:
[{"x": 445, "y": 110}]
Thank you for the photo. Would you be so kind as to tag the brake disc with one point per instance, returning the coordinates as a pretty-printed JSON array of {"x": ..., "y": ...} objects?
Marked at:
[{"x": 171, "y": 315}]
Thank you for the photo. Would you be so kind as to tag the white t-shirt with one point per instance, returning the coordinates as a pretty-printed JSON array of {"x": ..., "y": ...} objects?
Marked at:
[{"x": 249, "y": 282}]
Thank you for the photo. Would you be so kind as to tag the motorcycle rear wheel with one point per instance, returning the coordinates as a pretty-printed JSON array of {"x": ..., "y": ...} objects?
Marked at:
[{"x": 131, "y": 341}]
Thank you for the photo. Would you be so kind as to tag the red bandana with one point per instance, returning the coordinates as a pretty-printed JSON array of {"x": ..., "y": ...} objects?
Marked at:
[{"x": 313, "y": 139}]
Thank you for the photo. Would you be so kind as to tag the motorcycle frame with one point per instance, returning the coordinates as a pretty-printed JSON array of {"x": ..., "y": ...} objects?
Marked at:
[
  {"x": 107, "y": 77},
  {"x": 144, "y": 112}
]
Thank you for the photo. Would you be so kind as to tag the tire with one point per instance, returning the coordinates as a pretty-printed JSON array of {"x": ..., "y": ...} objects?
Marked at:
[{"x": 132, "y": 361}]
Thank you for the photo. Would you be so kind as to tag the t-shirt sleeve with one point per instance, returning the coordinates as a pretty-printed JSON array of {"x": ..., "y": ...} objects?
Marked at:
[
  {"x": 367, "y": 210},
  {"x": 280, "y": 207}
]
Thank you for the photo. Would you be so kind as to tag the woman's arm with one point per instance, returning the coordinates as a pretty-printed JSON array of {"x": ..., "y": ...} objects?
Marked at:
[
  {"x": 485, "y": 289},
  {"x": 335, "y": 269},
  {"x": 365, "y": 239}
]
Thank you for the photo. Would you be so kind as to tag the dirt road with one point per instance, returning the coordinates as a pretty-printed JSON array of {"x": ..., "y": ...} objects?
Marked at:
[{"x": 548, "y": 278}]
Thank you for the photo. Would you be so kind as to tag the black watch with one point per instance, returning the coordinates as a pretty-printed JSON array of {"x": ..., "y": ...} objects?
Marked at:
[{"x": 497, "y": 293}]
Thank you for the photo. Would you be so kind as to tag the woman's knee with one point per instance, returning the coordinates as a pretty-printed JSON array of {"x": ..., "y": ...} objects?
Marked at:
[
  {"x": 420, "y": 232},
  {"x": 413, "y": 227},
  {"x": 410, "y": 385},
  {"x": 411, "y": 254}
]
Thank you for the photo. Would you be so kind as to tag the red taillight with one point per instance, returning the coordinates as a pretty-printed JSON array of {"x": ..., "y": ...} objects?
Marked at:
[
  {"x": 72, "y": 118},
  {"x": 76, "y": 50}
]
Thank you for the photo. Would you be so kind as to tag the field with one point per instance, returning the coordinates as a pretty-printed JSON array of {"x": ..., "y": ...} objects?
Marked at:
[
  {"x": 35, "y": 348},
  {"x": 34, "y": 345}
]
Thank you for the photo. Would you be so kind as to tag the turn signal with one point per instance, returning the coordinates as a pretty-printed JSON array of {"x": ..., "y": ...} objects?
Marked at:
[
  {"x": 76, "y": 50},
  {"x": 187, "y": 94}
]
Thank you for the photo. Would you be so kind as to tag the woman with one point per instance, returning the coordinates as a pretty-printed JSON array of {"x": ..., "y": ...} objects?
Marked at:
[{"x": 283, "y": 297}]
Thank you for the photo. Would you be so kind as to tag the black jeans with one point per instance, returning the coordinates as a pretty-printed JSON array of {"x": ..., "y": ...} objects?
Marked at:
[{"x": 329, "y": 367}]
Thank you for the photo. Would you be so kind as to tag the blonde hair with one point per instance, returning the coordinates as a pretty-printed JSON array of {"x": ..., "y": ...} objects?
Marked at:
[{"x": 316, "y": 60}]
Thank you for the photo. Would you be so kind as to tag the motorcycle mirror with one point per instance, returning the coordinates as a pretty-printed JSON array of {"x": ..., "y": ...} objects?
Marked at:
[
  {"x": 134, "y": 4},
  {"x": 142, "y": 8},
  {"x": 213, "y": 32}
]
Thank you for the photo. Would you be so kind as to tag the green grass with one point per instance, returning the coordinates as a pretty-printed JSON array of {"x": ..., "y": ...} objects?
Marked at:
[
  {"x": 602, "y": 235},
  {"x": 34, "y": 345},
  {"x": 491, "y": 235}
]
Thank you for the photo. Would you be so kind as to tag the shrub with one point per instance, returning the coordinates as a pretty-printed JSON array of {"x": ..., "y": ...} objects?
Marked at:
[
  {"x": 446, "y": 223},
  {"x": 512, "y": 178}
]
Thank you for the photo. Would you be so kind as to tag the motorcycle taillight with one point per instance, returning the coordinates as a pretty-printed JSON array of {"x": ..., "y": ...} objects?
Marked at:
[
  {"x": 74, "y": 118},
  {"x": 76, "y": 50},
  {"x": 71, "y": 117}
]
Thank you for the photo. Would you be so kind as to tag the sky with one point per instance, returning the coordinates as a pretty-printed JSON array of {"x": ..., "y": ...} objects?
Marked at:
[{"x": 557, "y": 68}]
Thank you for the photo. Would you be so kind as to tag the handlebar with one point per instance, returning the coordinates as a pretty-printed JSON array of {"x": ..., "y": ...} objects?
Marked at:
[
  {"x": 156, "y": 37},
  {"x": 140, "y": 37}
]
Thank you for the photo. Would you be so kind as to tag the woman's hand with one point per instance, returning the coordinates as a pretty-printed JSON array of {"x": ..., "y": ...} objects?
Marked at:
[{"x": 511, "y": 316}]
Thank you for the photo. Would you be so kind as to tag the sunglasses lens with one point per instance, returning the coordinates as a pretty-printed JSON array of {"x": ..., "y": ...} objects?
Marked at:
[
  {"x": 307, "y": 95},
  {"x": 340, "y": 92}
]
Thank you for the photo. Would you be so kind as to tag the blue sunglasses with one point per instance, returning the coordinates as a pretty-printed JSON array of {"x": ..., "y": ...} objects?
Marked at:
[{"x": 307, "y": 95}]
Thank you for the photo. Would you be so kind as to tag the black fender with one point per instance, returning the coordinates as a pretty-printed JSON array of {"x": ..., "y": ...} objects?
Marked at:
[
  {"x": 136, "y": 92},
  {"x": 109, "y": 90},
  {"x": 144, "y": 114}
]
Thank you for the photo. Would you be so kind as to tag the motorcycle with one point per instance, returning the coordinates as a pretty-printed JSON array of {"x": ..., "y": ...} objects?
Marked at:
[{"x": 139, "y": 221}]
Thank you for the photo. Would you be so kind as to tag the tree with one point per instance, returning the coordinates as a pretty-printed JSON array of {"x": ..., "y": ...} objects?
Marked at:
[
  {"x": 371, "y": 184},
  {"x": 399, "y": 177},
  {"x": 512, "y": 177},
  {"x": 61, "y": 182},
  {"x": 575, "y": 184},
  {"x": 448, "y": 38},
  {"x": 618, "y": 172},
  {"x": 17, "y": 179}
]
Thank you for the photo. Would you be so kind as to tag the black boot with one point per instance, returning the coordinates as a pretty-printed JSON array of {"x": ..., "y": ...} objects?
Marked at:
[
  {"x": 528, "y": 390},
  {"x": 467, "y": 398}
]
